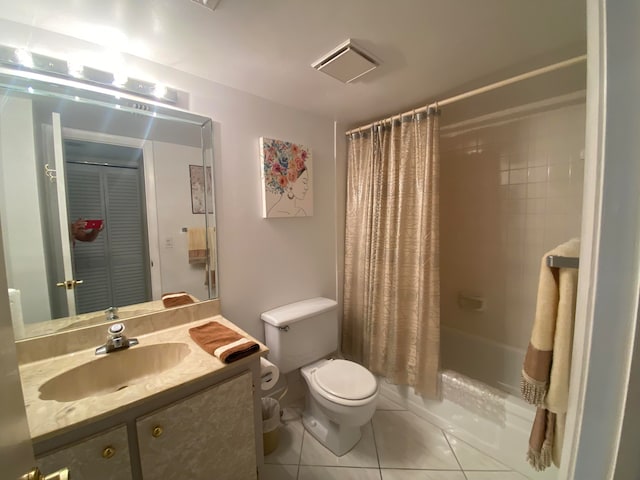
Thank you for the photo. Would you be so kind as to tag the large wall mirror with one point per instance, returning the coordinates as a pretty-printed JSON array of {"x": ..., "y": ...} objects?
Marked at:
[{"x": 106, "y": 204}]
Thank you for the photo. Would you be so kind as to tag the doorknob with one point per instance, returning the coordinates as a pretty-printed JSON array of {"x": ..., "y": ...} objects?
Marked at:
[
  {"x": 36, "y": 474},
  {"x": 69, "y": 284}
]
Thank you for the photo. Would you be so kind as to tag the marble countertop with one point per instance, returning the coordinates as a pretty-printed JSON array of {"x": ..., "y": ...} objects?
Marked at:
[
  {"x": 48, "y": 418},
  {"x": 88, "y": 319}
]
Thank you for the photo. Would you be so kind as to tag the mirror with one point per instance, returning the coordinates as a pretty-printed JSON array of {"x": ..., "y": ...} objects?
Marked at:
[{"x": 106, "y": 204}]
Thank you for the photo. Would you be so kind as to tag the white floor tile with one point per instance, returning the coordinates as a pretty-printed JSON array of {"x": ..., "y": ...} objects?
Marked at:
[
  {"x": 291, "y": 412},
  {"x": 406, "y": 441},
  {"x": 362, "y": 455},
  {"x": 289, "y": 445},
  {"x": 385, "y": 403},
  {"x": 338, "y": 473},
  {"x": 472, "y": 459},
  {"x": 494, "y": 476},
  {"x": 394, "y": 474},
  {"x": 279, "y": 472}
]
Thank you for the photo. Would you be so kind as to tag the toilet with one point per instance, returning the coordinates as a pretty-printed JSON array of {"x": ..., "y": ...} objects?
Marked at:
[{"x": 341, "y": 394}]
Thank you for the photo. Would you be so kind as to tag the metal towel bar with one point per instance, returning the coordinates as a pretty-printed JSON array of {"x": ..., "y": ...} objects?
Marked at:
[{"x": 557, "y": 261}]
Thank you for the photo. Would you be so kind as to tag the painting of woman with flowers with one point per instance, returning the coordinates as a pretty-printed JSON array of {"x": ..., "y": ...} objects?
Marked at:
[{"x": 286, "y": 179}]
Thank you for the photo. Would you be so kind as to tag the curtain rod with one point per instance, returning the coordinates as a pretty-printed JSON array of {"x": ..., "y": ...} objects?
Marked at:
[{"x": 477, "y": 91}]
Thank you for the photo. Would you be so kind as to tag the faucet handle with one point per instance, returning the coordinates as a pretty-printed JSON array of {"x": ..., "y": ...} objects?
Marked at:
[{"x": 116, "y": 330}]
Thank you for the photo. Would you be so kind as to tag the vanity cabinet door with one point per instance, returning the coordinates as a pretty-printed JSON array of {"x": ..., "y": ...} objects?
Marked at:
[
  {"x": 104, "y": 456},
  {"x": 209, "y": 435}
]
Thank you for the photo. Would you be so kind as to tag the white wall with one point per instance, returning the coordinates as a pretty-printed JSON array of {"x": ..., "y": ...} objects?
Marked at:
[
  {"x": 173, "y": 204},
  {"x": 265, "y": 263},
  {"x": 20, "y": 209}
]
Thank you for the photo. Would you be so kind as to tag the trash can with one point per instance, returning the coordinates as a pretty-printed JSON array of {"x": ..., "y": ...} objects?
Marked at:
[{"x": 270, "y": 424}]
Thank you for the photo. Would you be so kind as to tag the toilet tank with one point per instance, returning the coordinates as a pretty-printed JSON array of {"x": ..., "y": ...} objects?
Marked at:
[{"x": 302, "y": 332}]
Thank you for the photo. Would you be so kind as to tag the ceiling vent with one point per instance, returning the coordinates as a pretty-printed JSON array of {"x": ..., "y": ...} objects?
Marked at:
[
  {"x": 346, "y": 62},
  {"x": 210, "y": 4}
]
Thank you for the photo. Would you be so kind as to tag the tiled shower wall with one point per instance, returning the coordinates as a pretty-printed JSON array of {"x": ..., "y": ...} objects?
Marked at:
[{"x": 511, "y": 189}]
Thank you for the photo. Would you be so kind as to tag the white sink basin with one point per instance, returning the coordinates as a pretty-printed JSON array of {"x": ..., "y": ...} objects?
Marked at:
[{"x": 113, "y": 372}]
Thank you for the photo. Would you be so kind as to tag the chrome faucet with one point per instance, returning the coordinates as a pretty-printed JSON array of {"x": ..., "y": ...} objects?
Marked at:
[
  {"x": 116, "y": 340},
  {"x": 111, "y": 313}
]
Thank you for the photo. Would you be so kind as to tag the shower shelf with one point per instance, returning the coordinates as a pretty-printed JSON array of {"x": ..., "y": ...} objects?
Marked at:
[{"x": 557, "y": 261}]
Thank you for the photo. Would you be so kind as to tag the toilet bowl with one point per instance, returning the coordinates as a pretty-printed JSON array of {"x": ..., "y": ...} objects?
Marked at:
[
  {"x": 342, "y": 394},
  {"x": 341, "y": 399}
]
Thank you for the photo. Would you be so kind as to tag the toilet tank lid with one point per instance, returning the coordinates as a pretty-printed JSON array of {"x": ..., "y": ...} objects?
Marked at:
[{"x": 293, "y": 312}]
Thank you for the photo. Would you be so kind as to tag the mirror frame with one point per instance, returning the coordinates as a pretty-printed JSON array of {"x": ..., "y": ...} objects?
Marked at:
[{"x": 35, "y": 84}]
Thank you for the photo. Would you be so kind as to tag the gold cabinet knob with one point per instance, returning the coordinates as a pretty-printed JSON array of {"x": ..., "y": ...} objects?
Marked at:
[
  {"x": 157, "y": 431},
  {"x": 108, "y": 452}
]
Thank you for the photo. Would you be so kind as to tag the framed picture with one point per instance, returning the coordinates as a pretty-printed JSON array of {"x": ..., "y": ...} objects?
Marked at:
[
  {"x": 287, "y": 179},
  {"x": 201, "y": 190}
]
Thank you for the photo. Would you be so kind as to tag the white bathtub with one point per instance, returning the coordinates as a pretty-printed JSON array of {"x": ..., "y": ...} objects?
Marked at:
[{"x": 493, "y": 420}]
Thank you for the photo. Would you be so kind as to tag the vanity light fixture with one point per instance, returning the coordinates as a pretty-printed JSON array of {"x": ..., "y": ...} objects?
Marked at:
[
  {"x": 24, "y": 58},
  {"x": 159, "y": 90},
  {"x": 19, "y": 58},
  {"x": 120, "y": 79},
  {"x": 75, "y": 69}
]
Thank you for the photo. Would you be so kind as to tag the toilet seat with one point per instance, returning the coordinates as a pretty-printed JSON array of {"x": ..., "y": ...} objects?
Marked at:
[{"x": 344, "y": 382}]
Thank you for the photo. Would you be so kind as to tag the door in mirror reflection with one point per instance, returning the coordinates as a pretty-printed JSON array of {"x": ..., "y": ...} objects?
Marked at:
[{"x": 105, "y": 187}]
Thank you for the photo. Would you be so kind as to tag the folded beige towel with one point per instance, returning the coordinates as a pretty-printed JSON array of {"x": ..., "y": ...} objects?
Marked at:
[
  {"x": 226, "y": 344},
  {"x": 545, "y": 374},
  {"x": 197, "y": 245},
  {"x": 170, "y": 300}
]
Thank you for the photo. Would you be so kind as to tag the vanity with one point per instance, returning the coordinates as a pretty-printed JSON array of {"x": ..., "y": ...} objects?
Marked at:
[{"x": 164, "y": 408}]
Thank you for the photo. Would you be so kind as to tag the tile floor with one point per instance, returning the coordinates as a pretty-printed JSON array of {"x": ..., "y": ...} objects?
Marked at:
[{"x": 395, "y": 445}]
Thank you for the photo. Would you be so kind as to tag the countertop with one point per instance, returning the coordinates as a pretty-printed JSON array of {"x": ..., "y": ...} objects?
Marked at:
[{"x": 48, "y": 418}]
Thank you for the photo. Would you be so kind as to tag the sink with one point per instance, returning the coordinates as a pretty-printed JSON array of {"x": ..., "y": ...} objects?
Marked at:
[{"x": 114, "y": 372}]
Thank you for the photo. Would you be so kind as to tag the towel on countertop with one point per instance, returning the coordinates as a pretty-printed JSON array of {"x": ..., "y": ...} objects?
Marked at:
[
  {"x": 170, "y": 300},
  {"x": 547, "y": 365},
  {"x": 226, "y": 344}
]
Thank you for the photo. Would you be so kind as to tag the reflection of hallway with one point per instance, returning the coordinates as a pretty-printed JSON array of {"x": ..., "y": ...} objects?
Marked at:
[{"x": 106, "y": 182}]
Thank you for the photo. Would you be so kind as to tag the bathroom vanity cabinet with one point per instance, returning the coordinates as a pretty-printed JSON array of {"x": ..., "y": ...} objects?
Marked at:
[
  {"x": 208, "y": 434},
  {"x": 104, "y": 456}
]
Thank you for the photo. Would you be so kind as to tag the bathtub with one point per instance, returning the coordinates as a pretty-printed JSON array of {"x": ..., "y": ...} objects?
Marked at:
[{"x": 484, "y": 411}]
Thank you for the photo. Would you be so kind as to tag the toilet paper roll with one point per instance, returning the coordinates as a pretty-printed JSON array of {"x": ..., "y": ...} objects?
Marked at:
[
  {"x": 15, "y": 304},
  {"x": 269, "y": 374}
]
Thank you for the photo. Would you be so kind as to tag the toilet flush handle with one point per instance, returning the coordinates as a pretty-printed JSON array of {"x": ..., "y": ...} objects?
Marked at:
[{"x": 284, "y": 329}]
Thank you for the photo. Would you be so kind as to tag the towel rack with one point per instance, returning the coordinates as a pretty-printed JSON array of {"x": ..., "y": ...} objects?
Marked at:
[{"x": 557, "y": 261}]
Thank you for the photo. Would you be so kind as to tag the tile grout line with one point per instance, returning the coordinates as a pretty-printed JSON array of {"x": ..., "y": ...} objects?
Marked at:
[
  {"x": 304, "y": 433},
  {"x": 375, "y": 444},
  {"x": 454, "y": 453}
]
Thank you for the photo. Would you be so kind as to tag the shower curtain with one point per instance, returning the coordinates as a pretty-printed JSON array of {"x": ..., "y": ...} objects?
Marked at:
[{"x": 392, "y": 282}]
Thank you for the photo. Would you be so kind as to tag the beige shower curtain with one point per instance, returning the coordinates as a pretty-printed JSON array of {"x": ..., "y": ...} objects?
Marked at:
[{"x": 392, "y": 281}]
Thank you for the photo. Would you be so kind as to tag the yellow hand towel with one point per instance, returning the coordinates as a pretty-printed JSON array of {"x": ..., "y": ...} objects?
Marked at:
[
  {"x": 545, "y": 374},
  {"x": 197, "y": 245}
]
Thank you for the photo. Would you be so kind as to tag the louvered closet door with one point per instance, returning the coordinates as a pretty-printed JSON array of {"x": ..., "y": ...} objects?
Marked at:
[
  {"x": 85, "y": 194},
  {"x": 127, "y": 237},
  {"x": 114, "y": 266}
]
